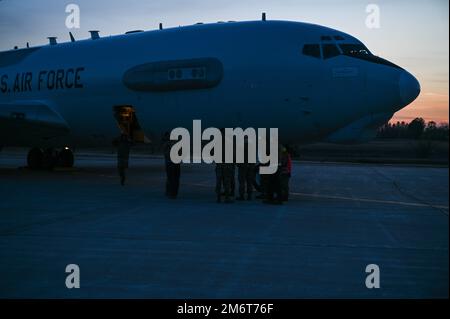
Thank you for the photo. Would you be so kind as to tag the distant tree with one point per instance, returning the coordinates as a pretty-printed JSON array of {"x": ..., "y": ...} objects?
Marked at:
[
  {"x": 443, "y": 131},
  {"x": 433, "y": 131},
  {"x": 416, "y": 128},
  {"x": 431, "y": 126}
]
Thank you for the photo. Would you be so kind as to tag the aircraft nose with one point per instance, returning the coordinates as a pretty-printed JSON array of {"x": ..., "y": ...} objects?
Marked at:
[{"x": 409, "y": 87}]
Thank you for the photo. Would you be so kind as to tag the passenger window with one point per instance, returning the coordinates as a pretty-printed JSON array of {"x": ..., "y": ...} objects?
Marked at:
[
  {"x": 312, "y": 50},
  {"x": 330, "y": 50}
]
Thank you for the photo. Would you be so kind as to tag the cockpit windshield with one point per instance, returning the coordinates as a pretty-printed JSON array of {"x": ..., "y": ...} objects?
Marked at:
[
  {"x": 328, "y": 49},
  {"x": 354, "y": 49},
  {"x": 360, "y": 51}
]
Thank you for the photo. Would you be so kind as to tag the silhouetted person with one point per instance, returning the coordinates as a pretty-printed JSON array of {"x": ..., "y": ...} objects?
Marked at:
[
  {"x": 246, "y": 175},
  {"x": 263, "y": 182},
  {"x": 123, "y": 155},
  {"x": 225, "y": 174},
  {"x": 273, "y": 195},
  {"x": 273, "y": 186},
  {"x": 173, "y": 170},
  {"x": 233, "y": 180},
  {"x": 255, "y": 178},
  {"x": 285, "y": 173}
]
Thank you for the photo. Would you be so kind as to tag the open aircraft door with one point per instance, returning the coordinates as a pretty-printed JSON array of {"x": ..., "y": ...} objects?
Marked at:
[{"x": 128, "y": 123}]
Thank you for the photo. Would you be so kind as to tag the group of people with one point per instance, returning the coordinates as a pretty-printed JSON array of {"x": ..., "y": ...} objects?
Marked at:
[{"x": 273, "y": 188}]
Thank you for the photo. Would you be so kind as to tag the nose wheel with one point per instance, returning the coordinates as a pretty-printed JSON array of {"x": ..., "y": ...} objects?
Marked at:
[{"x": 50, "y": 158}]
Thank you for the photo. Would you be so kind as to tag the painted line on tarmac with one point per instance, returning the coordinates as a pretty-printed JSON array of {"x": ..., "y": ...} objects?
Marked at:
[
  {"x": 368, "y": 200},
  {"x": 354, "y": 199}
]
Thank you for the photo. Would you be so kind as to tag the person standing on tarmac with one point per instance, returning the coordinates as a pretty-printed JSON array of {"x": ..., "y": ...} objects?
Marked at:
[
  {"x": 255, "y": 177},
  {"x": 245, "y": 175},
  {"x": 232, "y": 174},
  {"x": 224, "y": 176},
  {"x": 123, "y": 155},
  {"x": 273, "y": 193},
  {"x": 285, "y": 173},
  {"x": 263, "y": 182},
  {"x": 173, "y": 170},
  {"x": 224, "y": 173}
]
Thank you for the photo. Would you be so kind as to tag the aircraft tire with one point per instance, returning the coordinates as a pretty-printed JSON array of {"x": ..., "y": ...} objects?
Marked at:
[{"x": 49, "y": 159}]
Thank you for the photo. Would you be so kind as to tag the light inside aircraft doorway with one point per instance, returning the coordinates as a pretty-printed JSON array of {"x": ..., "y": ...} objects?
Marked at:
[{"x": 128, "y": 123}]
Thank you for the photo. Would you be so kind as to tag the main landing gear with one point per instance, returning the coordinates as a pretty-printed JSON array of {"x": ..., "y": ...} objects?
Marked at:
[{"x": 49, "y": 158}]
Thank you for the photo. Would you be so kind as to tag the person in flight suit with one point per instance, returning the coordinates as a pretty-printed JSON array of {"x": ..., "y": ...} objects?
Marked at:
[
  {"x": 173, "y": 170},
  {"x": 273, "y": 195},
  {"x": 256, "y": 178},
  {"x": 263, "y": 182},
  {"x": 246, "y": 176},
  {"x": 232, "y": 180},
  {"x": 224, "y": 176},
  {"x": 123, "y": 155}
]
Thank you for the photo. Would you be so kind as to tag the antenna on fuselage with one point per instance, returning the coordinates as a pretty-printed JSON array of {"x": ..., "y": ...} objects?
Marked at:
[
  {"x": 52, "y": 40},
  {"x": 28, "y": 45},
  {"x": 160, "y": 26},
  {"x": 95, "y": 34},
  {"x": 264, "y": 16},
  {"x": 72, "y": 39}
]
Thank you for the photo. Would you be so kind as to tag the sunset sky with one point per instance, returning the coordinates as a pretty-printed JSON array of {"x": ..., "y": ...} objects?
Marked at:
[{"x": 412, "y": 33}]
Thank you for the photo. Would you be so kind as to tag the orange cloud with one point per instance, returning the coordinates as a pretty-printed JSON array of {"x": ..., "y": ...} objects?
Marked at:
[{"x": 430, "y": 106}]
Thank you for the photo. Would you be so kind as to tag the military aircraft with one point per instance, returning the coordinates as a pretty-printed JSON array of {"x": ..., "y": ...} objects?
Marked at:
[{"x": 311, "y": 82}]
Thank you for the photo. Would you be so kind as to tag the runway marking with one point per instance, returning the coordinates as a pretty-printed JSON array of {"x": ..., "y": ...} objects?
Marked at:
[
  {"x": 354, "y": 199},
  {"x": 441, "y": 209},
  {"x": 368, "y": 200}
]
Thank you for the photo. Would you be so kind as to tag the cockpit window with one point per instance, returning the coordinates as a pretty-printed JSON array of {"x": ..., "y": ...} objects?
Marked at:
[
  {"x": 354, "y": 49},
  {"x": 325, "y": 38},
  {"x": 330, "y": 50},
  {"x": 338, "y": 38},
  {"x": 359, "y": 51},
  {"x": 312, "y": 50}
]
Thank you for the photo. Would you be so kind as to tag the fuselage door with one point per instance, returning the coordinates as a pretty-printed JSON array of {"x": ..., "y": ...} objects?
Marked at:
[{"x": 128, "y": 123}]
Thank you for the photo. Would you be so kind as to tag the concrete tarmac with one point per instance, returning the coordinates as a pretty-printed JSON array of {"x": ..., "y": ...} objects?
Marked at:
[{"x": 132, "y": 242}]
